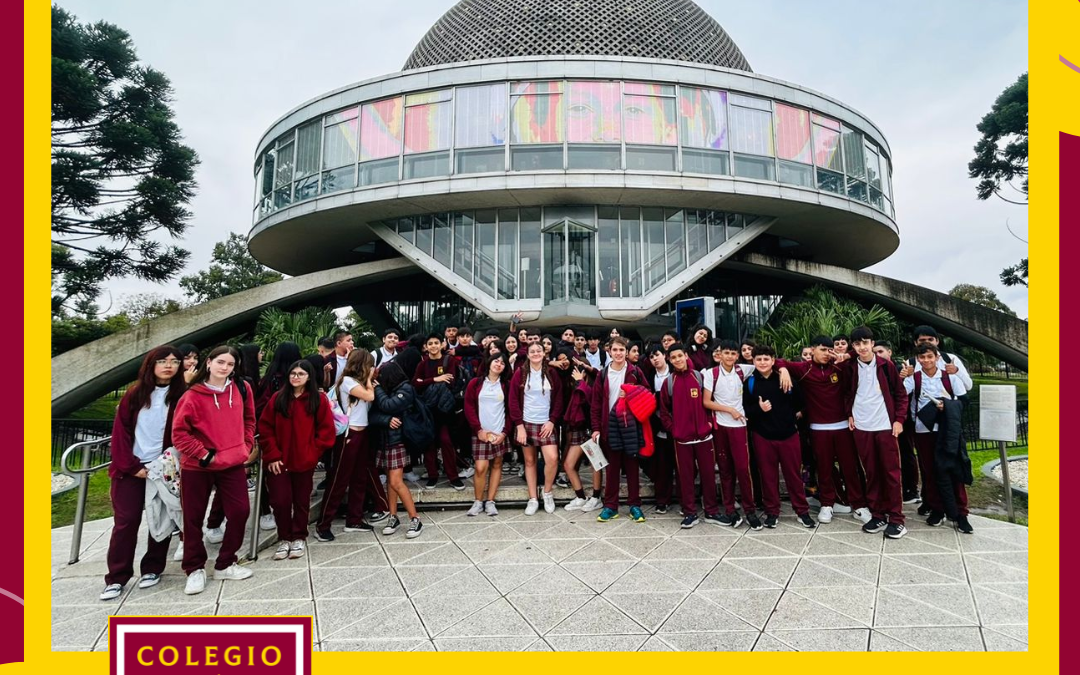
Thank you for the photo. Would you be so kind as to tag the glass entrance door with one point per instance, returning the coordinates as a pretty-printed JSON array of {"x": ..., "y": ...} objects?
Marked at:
[{"x": 569, "y": 262}]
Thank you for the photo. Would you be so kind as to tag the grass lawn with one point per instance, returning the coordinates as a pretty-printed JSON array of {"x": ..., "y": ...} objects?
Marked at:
[
  {"x": 987, "y": 496},
  {"x": 102, "y": 409},
  {"x": 98, "y": 503},
  {"x": 1021, "y": 386}
]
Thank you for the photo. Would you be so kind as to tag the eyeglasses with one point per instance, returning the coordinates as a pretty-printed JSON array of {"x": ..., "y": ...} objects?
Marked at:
[
  {"x": 167, "y": 362},
  {"x": 297, "y": 375}
]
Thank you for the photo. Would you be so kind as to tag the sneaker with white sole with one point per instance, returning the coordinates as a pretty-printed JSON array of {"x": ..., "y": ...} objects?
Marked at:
[
  {"x": 415, "y": 526},
  {"x": 233, "y": 573},
  {"x": 267, "y": 522},
  {"x": 282, "y": 551},
  {"x": 214, "y": 535},
  {"x": 467, "y": 473},
  {"x": 178, "y": 554},
  {"x": 376, "y": 516},
  {"x": 489, "y": 508},
  {"x": 575, "y": 504},
  {"x": 825, "y": 514},
  {"x": 895, "y": 531},
  {"x": 296, "y": 550},
  {"x": 562, "y": 481},
  {"x": 531, "y": 507},
  {"x": 411, "y": 477},
  {"x": 862, "y": 514},
  {"x": 149, "y": 580},
  {"x": 476, "y": 509},
  {"x": 196, "y": 582},
  {"x": 549, "y": 502},
  {"x": 111, "y": 592},
  {"x": 391, "y": 526},
  {"x": 591, "y": 504},
  {"x": 841, "y": 509}
]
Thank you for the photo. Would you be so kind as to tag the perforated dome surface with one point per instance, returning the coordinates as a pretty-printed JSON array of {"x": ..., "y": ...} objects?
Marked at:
[{"x": 656, "y": 29}]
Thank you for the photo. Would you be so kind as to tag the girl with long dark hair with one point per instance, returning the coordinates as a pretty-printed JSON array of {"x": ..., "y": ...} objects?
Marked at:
[
  {"x": 394, "y": 396},
  {"x": 294, "y": 430},
  {"x": 190, "y": 365},
  {"x": 142, "y": 430},
  {"x": 535, "y": 409},
  {"x": 485, "y": 410},
  {"x": 277, "y": 374},
  {"x": 699, "y": 347}
]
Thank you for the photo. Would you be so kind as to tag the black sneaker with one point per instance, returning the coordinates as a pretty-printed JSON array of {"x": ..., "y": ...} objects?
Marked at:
[
  {"x": 912, "y": 498},
  {"x": 807, "y": 521},
  {"x": 924, "y": 510},
  {"x": 562, "y": 482},
  {"x": 771, "y": 520},
  {"x": 895, "y": 531},
  {"x": 415, "y": 527},
  {"x": 661, "y": 508},
  {"x": 324, "y": 535},
  {"x": 362, "y": 527},
  {"x": 874, "y": 526},
  {"x": 688, "y": 522},
  {"x": 936, "y": 519},
  {"x": 716, "y": 519},
  {"x": 376, "y": 516},
  {"x": 457, "y": 484},
  {"x": 431, "y": 483},
  {"x": 753, "y": 521},
  {"x": 963, "y": 525},
  {"x": 731, "y": 519}
]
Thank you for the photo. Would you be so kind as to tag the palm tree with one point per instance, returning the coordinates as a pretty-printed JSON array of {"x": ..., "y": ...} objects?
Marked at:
[{"x": 820, "y": 312}]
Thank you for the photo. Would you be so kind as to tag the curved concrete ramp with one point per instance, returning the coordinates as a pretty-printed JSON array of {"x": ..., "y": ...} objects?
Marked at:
[
  {"x": 990, "y": 331},
  {"x": 83, "y": 374}
]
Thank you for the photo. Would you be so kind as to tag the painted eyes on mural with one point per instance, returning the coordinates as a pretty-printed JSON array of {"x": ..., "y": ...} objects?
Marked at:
[{"x": 581, "y": 110}]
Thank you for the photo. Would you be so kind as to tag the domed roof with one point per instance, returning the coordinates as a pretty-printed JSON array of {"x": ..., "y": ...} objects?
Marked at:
[{"x": 655, "y": 29}]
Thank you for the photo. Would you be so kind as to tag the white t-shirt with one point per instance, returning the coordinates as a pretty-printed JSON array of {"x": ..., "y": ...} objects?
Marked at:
[
  {"x": 358, "y": 417},
  {"x": 869, "y": 409},
  {"x": 615, "y": 379},
  {"x": 728, "y": 390},
  {"x": 593, "y": 359},
  {"x": 658, "y": 382},
  {"x": 385, "y": 356},
  {"x": 492, "y": 407},
  {"x": 150, "y": 427},
  {"x": 932, "y": 387},
  {"x": 341, "y": 361},
  {"x": 537, "y": 398}
]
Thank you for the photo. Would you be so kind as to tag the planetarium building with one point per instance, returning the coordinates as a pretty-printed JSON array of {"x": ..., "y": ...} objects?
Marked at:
[{"x": 579, "y": 161}]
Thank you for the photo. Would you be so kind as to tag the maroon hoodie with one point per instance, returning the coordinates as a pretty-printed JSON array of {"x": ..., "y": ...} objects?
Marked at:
[
  {"x": 599, "y": 410},
  {"x": 683, "y": 413},
  {"x": 222, "y": 421},
  {"x": 517, "y": 395},
  {"x": 299, "y": 439},
  {"x": 824, "y": 388}
]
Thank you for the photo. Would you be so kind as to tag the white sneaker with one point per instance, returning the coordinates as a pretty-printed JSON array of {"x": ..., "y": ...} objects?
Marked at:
[
  {"x": 196, "y": 582},
  {"x": 267, "y": 522},
  {"x": 214, "y": 535},
  {"x": 178, "y": 555},
  {"x": 842, "y": 509},
  {"x": 233, "y": 572},
  {"x": 297, "y": 549},
  {"x": 467, "y": 473},
  {"x": 575, "y": 504},
  {"x": 549, "y": 502},
  {"x": 111, "y": 592},
  {"x": 282, "y": 551},
  {"x": 411, "y": 477},
  {"x": 862, "y": 514},
  {"x": 476, "y": 509},
  {"x": 825, "y": 515},
  {"x": 149, "y": 580},
  {"x": 489, "y": 508},
  {"x": 531, "y": 507},
  {"x": 592, "y": 503}
]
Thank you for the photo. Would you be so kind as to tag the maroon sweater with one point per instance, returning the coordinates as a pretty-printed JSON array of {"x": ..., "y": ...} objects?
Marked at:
[
  {"x": 892, "y": 388},
  {"x": 599, "y": 410},
  {"x": 122, "y": 445},
  {"x": 427, "y": 370},
  {"x": 824, "y": 389},
  {"x": 299, "y": 439},
  {"x": 472, "y": 405},
  {"x": 222, "y": 421},
  {"x": 683, "y": 413},
  {"x": 517, "y": 395}
]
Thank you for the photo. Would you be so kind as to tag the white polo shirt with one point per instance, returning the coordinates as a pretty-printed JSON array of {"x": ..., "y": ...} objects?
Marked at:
[
  {"x": 869, "y": 409},
  {"x": 932, "y": 387},
  {"x": 728, "y": 390}
]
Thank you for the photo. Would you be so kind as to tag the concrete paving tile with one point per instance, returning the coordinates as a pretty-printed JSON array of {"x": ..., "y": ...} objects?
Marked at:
[
  {"x": 996, "y": 607},
  {"x": 832, "y": 546},
  {"x": 754, "y": 606},
  {"x": 373, "y": 645},
  {"x": 355, "y": 582},
  {"x": 331, "y": 616},
  {"x": 979, "y": 543},
  {"x": 729, "y": 641},
  {"x": 205, "y": 608},
  {"x": 438, "y": 554},
  {"x": 841, "y": 524},
  {"x": 645, "y": 578},
  {"x": 266, "y": 608},
  {"x": 538, "y": 646},
  {"x": 689, "y": 573},
  {"x": 519, "y": 553},
  {"x": 469, "y": 581},
  {"x": 377, "y": 616},
  {"x": 1017, "y": 536},
  {"x": 996, "y": 642},
  {"x": 776, "y": 570},
  {"x": 488, "y": 529},
  {"x": 416, "y": 579},
  {"x": 553, "y": 581},
  {"x": 600, "y": 551},
  {"x": 637, "y": 547},
  {"x": 868, "y": 543},
  {"x": 936, "y": 568},
  {"x": 655, "y": 644},
  {"x": 544, "y": 612},
  {"x": 790, "y": 543},
  {"x": 794, "y": 612},
  {"x": 697, "y": 614},
  {"x": 363, "y": 555},
  {"x": 596, "y": 643},
  {"x": 482, "y": 644},
  {"x": 682, "y": 549},
  {"x": 894, "y": 609},
  {"x": 843, "y": 640},
  {"x": 991, "y": 523},
  {"x": 531, "y": 528},
  {"x": 629, "y": 528},
  {"x": 79, "y": 626},
  {"x": 597, "y": 617},
  {"x": 598, "y": 575},
  {"x": 986, "y": 568},
  {"x": 497, "y": 619},
  {"x": 85, "y": 591},
  {"x": 292, "y": 585},
  {"x": 767, "y": 643},
  {"x": 954, "y": 598},
  {"x": 934, "y": 540},
  {"x": 506, "y": 578},
  {"x": 756, "y": 547},
  {"x": 939, "y": 639},
  {"x": 481, "y": 551},
  {"x": 650, "y": 610},
  {"x": 879, "y": 642},
  {"x": 560, "y": 549},
  {"x": 714, "y": 548},
  {"x": 727, "y": 576},
  {"x": 169, "y": 590},
  {"x": 1019, "y": 632},
  {"x": 439, "y": 612},
  {"x": 850, "y": 570},
  {"x": 1016, "y": 559}
]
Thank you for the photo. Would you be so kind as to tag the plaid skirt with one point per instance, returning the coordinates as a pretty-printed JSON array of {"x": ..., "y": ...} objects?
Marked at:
[
  {"x": 392, "y": 457},
  {"x": 488, "y": 451},
  {"x": 532, "y": 435},
  {"x": 577, "y": 436}
]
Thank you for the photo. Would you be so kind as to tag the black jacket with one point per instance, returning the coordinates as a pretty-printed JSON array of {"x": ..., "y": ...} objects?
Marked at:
[
  {"x": 386, "y": 406},
  {"x": 625, "y": 434},
  {"x": 950, "y": 455},
  {"x": 779, "y": 423}
]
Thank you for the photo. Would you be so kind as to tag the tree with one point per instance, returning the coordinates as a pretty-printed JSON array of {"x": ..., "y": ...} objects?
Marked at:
[
  {"x": 144, "y": 307},
  {"x": 120, "y": 174},
  {"x": 304, "y": 327},
  {"x": 71, "y": 332},
  {"x": 820, "y": 312},
  {"x": 232, "y": 269},
  {"x": 1001, "y": 155},
  {"x": 980, "y": 295},
  {"x": 1015, "y": 275}
]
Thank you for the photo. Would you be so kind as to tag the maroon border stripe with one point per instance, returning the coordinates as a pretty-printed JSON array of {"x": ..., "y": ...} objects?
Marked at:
[{"x": 1069, "y": 397}]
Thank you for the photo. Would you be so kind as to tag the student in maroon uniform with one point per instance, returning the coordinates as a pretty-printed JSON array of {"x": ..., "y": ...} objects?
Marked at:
[
  {"x": 746, "y": 351},
  {"x": 214, "y": 430},
  {"x": 394, "y": 396},
  {"x": 486, "y": 411},
  {"x": 295, "y": 428},
  {"x": 606, "y": 392},
  {"x": 699, "y": 350},
  {"x": 577, "y": 419},
  {"x": 437, "y": 368},
  {"x": 878, "y": 404},
  {"x": 840, "y": 344},
  {"x": 663, "y": 459},
  {"x": 335, "y": 361},
  {"x": 191, "y": 360},
  {"x": 684, "y": 416},
  {"x": 510, "y": 346},
  {"x": 535, "y": 407},
  {"x": 142, "y": 430}
]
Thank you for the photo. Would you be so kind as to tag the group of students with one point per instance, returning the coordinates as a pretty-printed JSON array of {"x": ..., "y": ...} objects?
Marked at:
[{"x": 679, "y": 411}]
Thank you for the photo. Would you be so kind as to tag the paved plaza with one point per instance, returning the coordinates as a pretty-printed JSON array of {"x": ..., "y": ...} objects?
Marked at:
[{"x": 565, "y": 582}]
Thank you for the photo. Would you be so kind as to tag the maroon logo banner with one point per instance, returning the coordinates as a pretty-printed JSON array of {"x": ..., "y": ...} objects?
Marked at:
[{"x": 210, "y": 645}]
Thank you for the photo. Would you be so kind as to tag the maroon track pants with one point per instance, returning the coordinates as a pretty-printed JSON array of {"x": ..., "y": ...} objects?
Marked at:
[
  {"x": 195, "y": 488},
  {"x": 924, "y": 445},
  {"x": 837, "y": 445},
  {"x": 733, "y": 457},
  {"x": 445, "y": 444},
  {"x": 879, "y": 453},
  {"x": 699, "y": 456},
  {"x": 290, "y": 498},
  {"x": 355, "y": 472},
  {"x": 617, "y": 463},
  {"x": 129, "y": 501},
  {"x": 662, "y": 468},
  {"x": 773, "y": 458}
]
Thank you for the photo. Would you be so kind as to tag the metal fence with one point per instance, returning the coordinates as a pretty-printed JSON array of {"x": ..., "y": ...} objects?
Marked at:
[
  {"x": 67, "y": 432},
  {"x": 971, "y": 428}
]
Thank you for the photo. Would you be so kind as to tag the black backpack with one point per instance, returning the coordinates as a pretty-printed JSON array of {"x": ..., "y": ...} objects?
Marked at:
[{"x": 417, "y": 427}]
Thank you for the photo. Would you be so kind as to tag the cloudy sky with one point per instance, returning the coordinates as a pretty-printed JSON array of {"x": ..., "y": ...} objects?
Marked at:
[{"x": 925, "y": 72}]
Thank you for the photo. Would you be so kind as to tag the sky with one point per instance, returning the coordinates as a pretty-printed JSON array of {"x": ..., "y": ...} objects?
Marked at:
[{"x": 924, "y": 71}]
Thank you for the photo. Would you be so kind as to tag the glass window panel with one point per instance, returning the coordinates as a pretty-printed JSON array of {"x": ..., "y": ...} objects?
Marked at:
[
  {"x": 655, "y": 251},
  {"x": 283, "y": 173},
  {"x": 507, "y": 279},
  {"x": 649, "y": 119},
  {"x": 307, "y": 150},
  {"x": 339, "y": 145},
  {"x": 606, "y": 158},
  {"x": 463, "y": 245},
  {"x": 485, "y": 251},
  {"x": 873, "y": 167},
  {"x": 608, "y": 242},
  {"x": 425, "y": 227},
  {"x": 650, "y": 159},
  {"x": 427, "y": 127},
  {"x": 885, "y": 177},
  {"x": 703, "y": 118},
  {"x": 427, "y": 166},
  {"x": 427, "y": 97},
  {"x": 630, "y": 234},
  {"x": 341, "y": 116},
  {"x": 441, "y": 240},
  {"x": 554, "y": 267},
  {"x": 581, "y": 214},
  {"x": 592, "y": 112},
  {"x": 339, "y": 179},
  {"x": 306, "y": 188},
  {"x": 856, "y": 189},
  {"x": 705, "y": 161},
  {"x": 537, "y": 159},
  {"x": 540, "y": 87},
  {"x": 480, "y": 117},
  {"x": 405, "y": 229},
  {"x": 735, "y": 224},
  {"x": 853, "y": 153},
  {"x": 537, "y": 118},
  {"x": 381, "y": 171},
  {"x": 792, "y": 133},
  {"x": 480, "y": 160},
  {"x": 830, "y": 181},
  {"x": 715, "y": 226},
  {"x": 751, "y": 131},
  {"x": 650, "y": 89},
  {"x": 529, "y": 266},
  {"x": 282, "y": 197},
  {"x": 875, "y": 198},
  {"x": 826, "y": 122},
  {"x": 697, "y": 241},
  {"x": 761, "y": 168},
  {"x": 267, "y": 176},
  {"x": 827, "y": 148},
  {"x": 796, "y": 174},
  {"x": 380, "y": 129},
  {"x": 580, "y": 263},
  {"x": 676, "y": 242},
  {"x": 751, "y": 102}
]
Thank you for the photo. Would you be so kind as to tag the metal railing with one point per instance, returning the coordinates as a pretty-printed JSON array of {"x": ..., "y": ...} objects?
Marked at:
[{"x": 85, "y": 450}]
